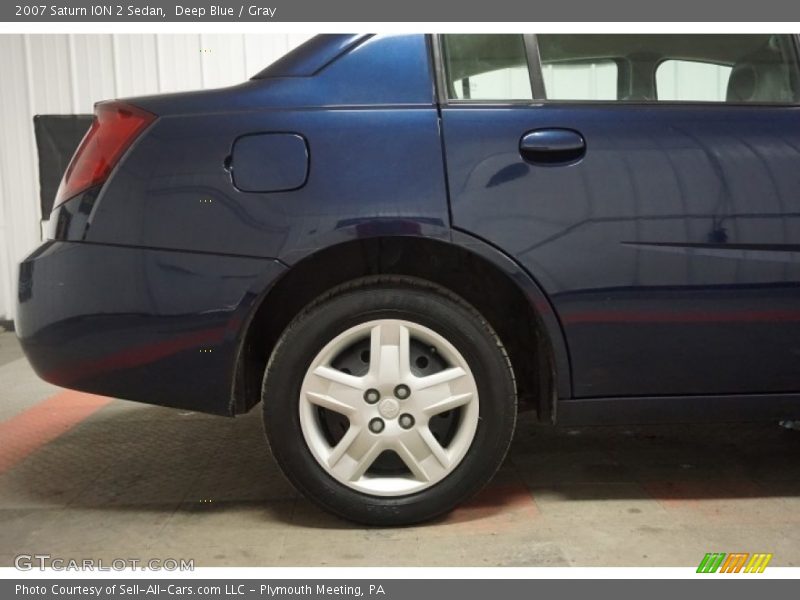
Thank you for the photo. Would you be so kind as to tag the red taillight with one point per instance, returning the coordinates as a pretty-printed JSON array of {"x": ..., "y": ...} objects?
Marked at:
[{"x": 113, "y": 130}]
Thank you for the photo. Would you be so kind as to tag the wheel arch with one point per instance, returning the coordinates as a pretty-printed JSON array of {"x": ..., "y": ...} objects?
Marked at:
[{"x": 474, "y": 270}]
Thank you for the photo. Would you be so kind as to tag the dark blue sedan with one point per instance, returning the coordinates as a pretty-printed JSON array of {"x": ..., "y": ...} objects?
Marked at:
[{"x": 396, "y": 241}]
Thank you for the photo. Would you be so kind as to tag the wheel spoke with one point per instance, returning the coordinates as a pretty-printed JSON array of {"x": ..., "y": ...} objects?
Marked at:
[
  {"x": 334, "y": 390},
  {"x": 423, "y": 455},
  {"x": 331, "y": 403},
  {"x": 446, "y": 376},
  {"x": 405, "y": 352},
  {"x": 390, "y": 353},
  {"x": 344, "y": 444},
  {"x": 434, "y": 447},
  {"x": 336, "y": 376},
  {"x": 434, "y": 406},
  {"x": 414, "y": 465},
  {"x": 354, "y": 454}
]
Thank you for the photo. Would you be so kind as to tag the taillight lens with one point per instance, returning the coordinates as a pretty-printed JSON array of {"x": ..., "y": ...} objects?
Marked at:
[{"x": 116, "y": 125}]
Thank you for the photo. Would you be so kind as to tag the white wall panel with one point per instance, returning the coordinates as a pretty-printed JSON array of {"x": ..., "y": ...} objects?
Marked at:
[
  {"x": 223, "y": 60},
  {"x": 6, "y": 273},
  {"x": 92, "y": 67},
  {"x": 179, "y": 67},
  {"x": 18, "y": 167},
  {"x": 67, "y": 74},
  {"x": 135, "y": 65},
  {"x": 50, "y": 73}
]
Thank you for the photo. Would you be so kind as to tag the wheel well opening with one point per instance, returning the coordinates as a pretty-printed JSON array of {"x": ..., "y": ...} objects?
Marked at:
[{"x": 473, "y": 278}]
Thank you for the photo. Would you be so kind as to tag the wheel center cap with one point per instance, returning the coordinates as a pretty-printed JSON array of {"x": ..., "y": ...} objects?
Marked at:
[{"x": 389, "y": 408}]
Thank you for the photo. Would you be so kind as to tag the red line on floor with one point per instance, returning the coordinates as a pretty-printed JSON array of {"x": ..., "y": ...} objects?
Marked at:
[
  {"x": 25, "y": 433},
  {"x": 498, "y": 506}
]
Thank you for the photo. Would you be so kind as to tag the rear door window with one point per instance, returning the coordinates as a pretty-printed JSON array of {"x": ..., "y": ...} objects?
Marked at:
[
  {"x": 486, "y": 67},
  {"x": 725, "y": 68}
]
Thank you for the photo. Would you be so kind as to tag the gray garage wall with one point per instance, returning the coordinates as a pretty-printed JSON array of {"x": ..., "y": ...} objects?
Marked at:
[{"x": 67, "y": 74}]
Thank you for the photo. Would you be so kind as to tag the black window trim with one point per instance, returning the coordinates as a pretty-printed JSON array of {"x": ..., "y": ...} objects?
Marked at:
[
  {"x": 538, "y": 91},
  {"x": 534, "y": 61}
]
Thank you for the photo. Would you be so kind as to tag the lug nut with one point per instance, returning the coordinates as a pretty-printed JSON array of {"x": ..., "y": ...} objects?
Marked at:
[
  {"x": 402, "y": 392},
  {"x": 376, "y": 425},
  {"x": 371, "y": 396},
  {"x": 406, "y": 421}
]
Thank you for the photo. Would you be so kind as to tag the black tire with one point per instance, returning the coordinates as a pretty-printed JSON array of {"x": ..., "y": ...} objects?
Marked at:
[{"x": 381, "y": 298}]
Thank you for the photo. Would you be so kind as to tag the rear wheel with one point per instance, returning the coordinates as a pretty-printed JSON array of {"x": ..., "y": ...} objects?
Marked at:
[{"x": 389, "y": 401}]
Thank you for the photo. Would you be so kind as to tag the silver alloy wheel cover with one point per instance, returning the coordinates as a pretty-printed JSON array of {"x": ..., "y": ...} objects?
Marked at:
[{"x": 389, "y": 365}]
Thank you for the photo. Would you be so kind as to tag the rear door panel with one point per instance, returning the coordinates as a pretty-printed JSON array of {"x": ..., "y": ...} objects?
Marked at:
[{"x": 671, "y": 251}]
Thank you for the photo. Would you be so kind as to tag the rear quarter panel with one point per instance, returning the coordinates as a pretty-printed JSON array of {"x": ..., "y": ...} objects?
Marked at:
[
  {"x": 175, "y": 192},
  {"x": 155, "y": 306}
]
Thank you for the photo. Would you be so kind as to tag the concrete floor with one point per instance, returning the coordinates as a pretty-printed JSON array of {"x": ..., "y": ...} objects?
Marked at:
[{"x": 82, "y": 477}]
